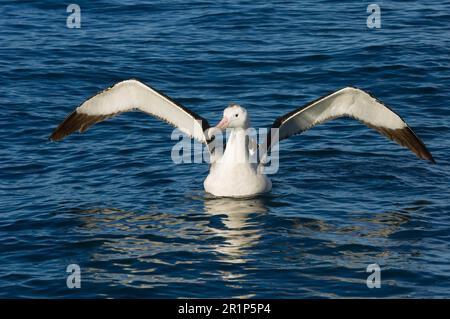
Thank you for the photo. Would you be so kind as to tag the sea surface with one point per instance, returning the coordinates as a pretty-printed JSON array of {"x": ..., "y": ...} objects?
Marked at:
[{"x": 138, "y": 225}]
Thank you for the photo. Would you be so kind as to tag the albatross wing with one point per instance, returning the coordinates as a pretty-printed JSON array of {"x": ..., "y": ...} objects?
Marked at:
[
  {"x": 354, "y": 103},
  {"x": 132, "y": 95}
]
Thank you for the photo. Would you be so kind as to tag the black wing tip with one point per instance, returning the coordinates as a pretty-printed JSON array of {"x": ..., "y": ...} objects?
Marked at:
[
  {"x": 75, "y": 122},
  {"x": 426, "y": 155},
  {"x": 408, "y": 138},
  {"x": 56, "y": 136},
  {"x": 65, "y": 128},
  {"x": 429, "y": 157},
  {"x": 420, "y": 149}
]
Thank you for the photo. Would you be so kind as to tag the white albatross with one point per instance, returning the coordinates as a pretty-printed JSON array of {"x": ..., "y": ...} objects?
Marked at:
[{"x": 232, "y": 174}]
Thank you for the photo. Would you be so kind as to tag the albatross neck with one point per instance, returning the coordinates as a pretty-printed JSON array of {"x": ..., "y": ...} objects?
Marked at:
[{"x": 237, "y": 145}]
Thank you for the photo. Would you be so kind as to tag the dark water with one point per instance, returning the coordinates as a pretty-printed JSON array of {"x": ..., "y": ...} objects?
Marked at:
[{"x": 113, "y": 202}]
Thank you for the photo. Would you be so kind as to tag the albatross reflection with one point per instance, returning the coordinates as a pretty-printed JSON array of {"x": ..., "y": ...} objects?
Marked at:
[{"x": 240, "y": 231}]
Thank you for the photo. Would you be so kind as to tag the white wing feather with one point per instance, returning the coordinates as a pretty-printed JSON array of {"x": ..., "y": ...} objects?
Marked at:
[
  {"x": 127, "y": 96},
  {"x": 354, "y": 103}
]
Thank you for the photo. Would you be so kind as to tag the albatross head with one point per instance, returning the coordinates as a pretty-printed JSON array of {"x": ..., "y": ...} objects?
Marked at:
[{"x": 234, "y": 116}]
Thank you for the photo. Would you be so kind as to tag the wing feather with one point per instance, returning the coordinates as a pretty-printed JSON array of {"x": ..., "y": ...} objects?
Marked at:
[
  {"x": 127, "y": 96},
  {"x": 348, "y": 102}
]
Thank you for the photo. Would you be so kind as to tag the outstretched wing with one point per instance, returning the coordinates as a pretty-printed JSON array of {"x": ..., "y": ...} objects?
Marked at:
[
  {"x": 348, "y": 102},
  {"x": 127, "y": 96}
]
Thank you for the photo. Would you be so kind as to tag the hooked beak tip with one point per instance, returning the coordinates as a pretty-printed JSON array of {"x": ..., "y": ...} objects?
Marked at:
[{"x": 222, "y": 124}]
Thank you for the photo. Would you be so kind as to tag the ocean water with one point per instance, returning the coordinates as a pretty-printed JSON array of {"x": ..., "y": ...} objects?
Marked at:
[{"x": 112, "y": 201}]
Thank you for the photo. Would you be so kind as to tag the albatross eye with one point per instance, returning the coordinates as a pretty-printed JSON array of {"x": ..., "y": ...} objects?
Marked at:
[{"x": 236, "y": 115}]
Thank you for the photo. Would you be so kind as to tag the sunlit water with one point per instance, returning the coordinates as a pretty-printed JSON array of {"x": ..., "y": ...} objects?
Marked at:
[{"x": 113, "y": 202}]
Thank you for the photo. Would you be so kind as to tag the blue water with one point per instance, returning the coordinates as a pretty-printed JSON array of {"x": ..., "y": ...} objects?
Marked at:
[{"x": 112, "y": 201}]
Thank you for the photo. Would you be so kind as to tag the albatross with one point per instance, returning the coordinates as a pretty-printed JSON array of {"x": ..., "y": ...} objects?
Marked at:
[{"x": 232, "y": 173}]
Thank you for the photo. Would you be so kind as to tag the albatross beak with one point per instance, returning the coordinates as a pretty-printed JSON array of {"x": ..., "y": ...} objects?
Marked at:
[{"x": 223, "y": 124}]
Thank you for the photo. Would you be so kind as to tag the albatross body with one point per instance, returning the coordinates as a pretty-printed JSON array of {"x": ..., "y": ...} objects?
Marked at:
[{"x": 233, "y": 173}]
